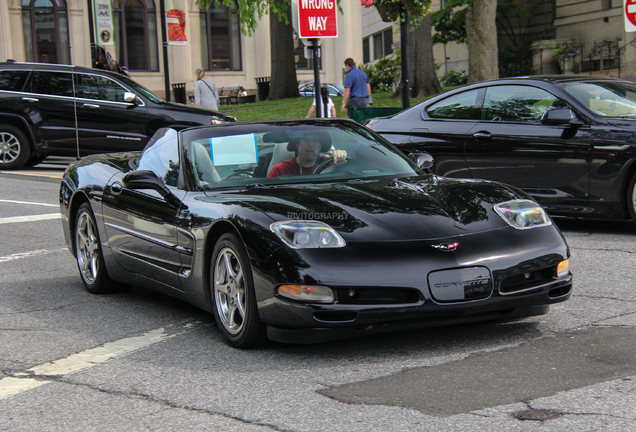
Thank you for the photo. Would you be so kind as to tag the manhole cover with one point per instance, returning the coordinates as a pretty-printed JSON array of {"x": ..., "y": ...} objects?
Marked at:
[{"x": 537, "y": 414}]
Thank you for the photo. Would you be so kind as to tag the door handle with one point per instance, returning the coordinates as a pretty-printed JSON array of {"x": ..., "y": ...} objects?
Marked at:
[
  {"x": 482, "y": 135},
  {"x": 90, "y": 106},
  {"x": 28, "y": 99}
]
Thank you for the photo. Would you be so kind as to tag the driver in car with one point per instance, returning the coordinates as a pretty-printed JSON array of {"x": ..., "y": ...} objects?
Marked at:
[{"x": 307, "y": 155}]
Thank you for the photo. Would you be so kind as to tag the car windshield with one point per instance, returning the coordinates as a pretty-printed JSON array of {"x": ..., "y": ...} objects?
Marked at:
[
  {"x": 245, "y": 155},
  {"x": 605, "y": 98},
  {"x": 141, "y": 89}
]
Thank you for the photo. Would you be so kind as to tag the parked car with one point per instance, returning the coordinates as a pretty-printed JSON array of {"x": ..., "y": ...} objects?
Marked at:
[
  {"x": 570, "y": 142},
  {"x": 368, "y": 244},
  {"x": 48, "y": 109},
  {"x": 334, "y": 90}
]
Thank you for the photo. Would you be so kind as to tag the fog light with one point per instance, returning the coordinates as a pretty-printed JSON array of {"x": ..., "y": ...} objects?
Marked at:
[
  {"x": 563, "y": 268},
  {"x": 307, "y": 293}
]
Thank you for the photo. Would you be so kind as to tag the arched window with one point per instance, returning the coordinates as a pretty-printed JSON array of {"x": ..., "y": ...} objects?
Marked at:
[
  {"x": 220, "y": 38},
  {"x": 135, "y": 23},
  {"x": 45, "y": 25}
]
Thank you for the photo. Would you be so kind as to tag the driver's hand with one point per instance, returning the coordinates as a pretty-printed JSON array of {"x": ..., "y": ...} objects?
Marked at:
[{"x": 339, "y": 156}]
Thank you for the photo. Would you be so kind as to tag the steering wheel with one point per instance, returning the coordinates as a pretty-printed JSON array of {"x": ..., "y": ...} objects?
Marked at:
[{"x": 324, "y": 164}]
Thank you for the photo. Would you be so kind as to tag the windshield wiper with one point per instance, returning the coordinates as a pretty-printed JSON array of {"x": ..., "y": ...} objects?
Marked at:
[{"x": 256, "y": 186}]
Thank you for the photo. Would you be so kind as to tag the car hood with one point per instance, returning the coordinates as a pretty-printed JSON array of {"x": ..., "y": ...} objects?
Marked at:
[
  {"x": 426, "y": 207},
  {"x": 626, "y": 122}
]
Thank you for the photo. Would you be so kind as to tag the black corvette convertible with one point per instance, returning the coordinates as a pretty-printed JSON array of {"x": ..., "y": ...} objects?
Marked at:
[{"x": 366, "y": 241}]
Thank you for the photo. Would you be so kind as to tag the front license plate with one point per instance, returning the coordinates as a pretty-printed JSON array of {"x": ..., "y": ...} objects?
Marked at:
[{"x": 472, "y": 283}]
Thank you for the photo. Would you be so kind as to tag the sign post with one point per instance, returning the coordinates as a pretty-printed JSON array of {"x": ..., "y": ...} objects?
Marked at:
[{"x": 317, "y": 19}]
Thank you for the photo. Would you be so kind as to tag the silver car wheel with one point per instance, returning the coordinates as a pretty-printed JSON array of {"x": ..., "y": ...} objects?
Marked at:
[
  {"x": 87, "y": 248},
  {"x": 229, "y": 291},
  {"x": 9, "y": 148}
]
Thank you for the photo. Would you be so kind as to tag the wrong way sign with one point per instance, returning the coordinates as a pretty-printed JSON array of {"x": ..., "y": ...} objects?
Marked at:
[
  {"x": 318, "y": 19},
  {"x": 629, "y": 11}
]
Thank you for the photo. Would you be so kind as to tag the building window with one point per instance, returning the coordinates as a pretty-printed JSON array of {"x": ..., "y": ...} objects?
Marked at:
[
  {"x": 45, "y": 25},
  {"x": 220, "y": 38},
  {"x": 135, "y": 23},
  {"x": 299, "y": 56},
  {"x": 366, "y": 52},
  {"x": 383, "y": 43}
]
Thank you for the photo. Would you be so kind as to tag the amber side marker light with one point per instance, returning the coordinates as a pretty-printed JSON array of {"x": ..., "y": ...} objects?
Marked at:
[
  {"x": 563, "y": 268},
  {"x": 308, "y": 293}
]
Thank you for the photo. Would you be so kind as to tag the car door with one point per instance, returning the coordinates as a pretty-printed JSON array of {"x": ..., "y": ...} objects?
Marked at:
[
  {"x": 106, "y": 122},
  {"x": 141, "y": 226},
  {"x": 443, "y": 131},
  {"x": 511, "y": 145},
  {"x": 49, "y": 104}
]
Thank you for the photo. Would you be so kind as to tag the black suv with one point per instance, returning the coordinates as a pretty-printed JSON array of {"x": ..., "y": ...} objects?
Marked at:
[{"x": 64, "y": 110}]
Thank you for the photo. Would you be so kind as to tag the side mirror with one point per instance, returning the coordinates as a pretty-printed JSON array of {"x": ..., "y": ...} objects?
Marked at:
[
  {"x": 146, "y": 179},
  {"x": 561, "y": 116},
  {"x": 422, "y": 160},
  {"x": 131, "y": 97}
]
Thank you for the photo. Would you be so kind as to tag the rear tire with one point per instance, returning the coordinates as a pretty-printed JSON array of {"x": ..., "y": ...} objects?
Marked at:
[
  {"x": 631, "y": 197},
  {"x": 232, "y": 288},
  {"x": 88, "y": 253},
  {"x": 14, "y": 147}
]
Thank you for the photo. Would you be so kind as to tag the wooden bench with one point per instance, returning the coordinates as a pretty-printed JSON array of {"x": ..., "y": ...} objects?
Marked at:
[{"x": 231, "y": 97}]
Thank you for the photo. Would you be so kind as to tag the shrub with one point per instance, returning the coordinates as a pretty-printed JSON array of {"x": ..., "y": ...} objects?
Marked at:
[
  {"x": 384, "y": 73},
  {"x": 454, "y": 78}
]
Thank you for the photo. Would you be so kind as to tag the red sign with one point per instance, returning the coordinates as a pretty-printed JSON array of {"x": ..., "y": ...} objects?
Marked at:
[
  {"x": 630, "y": 15},
  {"x": 317, "y": 19}
]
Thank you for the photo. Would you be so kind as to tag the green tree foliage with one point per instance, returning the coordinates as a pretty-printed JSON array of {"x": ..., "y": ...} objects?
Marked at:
[{"x": 450, "y": 22}]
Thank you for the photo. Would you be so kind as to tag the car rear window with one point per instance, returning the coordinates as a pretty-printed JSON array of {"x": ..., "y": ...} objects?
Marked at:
[{"x": 13, "y": 80}]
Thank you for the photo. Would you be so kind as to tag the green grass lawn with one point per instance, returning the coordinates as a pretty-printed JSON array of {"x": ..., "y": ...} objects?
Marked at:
[{"x": 299, "y": 107}]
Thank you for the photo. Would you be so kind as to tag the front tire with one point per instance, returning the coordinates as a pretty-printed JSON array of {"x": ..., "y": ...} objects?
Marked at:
[
  {"x": 232, "y": 287},
  {"x": 631, "y": 197},
  {"x": 14, "y": 147},
  {"x": 88, "y": 253}
]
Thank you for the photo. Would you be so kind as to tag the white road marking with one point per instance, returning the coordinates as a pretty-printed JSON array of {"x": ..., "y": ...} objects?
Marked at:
[
  {"x": 33, "y": 218},
  {"x": 21, "y": 382},
  {"x": 29, "y": 254},
  {"x": 31, "y": 203}
]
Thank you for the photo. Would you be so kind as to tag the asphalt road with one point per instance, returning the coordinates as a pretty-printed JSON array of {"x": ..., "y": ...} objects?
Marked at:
[{"x": 139, "y": 361}]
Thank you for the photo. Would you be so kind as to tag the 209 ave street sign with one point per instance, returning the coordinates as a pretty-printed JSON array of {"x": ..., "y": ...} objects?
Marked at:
[{"x": 317, "y": 19}]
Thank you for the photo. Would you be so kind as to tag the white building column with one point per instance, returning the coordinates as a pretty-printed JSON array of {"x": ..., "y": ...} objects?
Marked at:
[{"x": 6, "y": 50}]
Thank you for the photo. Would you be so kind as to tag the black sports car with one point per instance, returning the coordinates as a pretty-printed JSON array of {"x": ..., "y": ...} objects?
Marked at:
[
  {"x": 570, "y": 142},
  {"x": 369, "y": 244}
]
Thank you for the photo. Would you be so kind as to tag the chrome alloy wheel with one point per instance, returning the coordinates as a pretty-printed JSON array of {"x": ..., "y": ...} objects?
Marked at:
[
  {"x": 229, "y": 291},
  {"x": 87, "y": 248},
  {"x": 9, "y": 148}
]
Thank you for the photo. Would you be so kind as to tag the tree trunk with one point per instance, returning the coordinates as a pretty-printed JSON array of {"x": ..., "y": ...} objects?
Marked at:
[
  {"x": 422, "y": 70},
  {"x": 284, "y": 83},
  {"x": 481, "y": 39}
]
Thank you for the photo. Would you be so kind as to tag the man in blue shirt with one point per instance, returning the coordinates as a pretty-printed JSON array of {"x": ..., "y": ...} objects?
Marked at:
[{"x": 357, "y": 87}]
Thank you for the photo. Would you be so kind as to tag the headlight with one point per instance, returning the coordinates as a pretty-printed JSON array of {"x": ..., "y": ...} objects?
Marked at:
[
  {"x": 307, "y": 234},
  {"x": 523, "y": 214}
]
